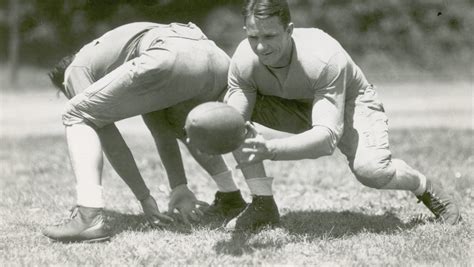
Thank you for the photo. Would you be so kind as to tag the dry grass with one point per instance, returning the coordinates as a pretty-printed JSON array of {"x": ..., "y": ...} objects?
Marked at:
[{"x": 328, "y": 218}]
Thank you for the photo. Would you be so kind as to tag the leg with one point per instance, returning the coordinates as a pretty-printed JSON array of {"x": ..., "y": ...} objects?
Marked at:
[
  {"x": 277, "y": 117},
  {"x": 85, "y": 152},
  {"x": 214, "y": 165},
  {"x": 365, "y": 144},
  {"x": 101, "y": 103},
  {"x": 228, "y": 201},
  {"x": 87, "y": 223}
]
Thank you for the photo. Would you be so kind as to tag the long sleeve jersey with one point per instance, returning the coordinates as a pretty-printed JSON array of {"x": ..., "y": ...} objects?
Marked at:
[{"x": 320, "y": 73}]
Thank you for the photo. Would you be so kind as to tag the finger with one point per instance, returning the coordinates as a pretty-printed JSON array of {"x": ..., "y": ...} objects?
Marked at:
[
  {"x": 249, "y": 150},
  {"x": 252, "y": 141},
  {"x": 164, "y": 217},
  {"x": 201, "y": 203},
  {"x": 185, "y": 219},
  {"x": 251, "y": 130},
  {"x": 198, "y": 212},
  {"x": 251, "y": 157},
  {"x": 193, "y": 216},
  {"x": 155, "y": 222},
  {"x": 171, "y": 208}
]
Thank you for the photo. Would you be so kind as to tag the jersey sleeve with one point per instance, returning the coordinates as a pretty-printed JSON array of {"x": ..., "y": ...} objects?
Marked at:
[
  {"x": 329, "y": 96},
  {"x": 242, "y": 91}
]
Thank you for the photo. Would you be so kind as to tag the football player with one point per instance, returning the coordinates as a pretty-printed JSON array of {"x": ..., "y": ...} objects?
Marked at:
[
  {"x": 159, "y": 71},
  {"x": 302, "y": 81}
]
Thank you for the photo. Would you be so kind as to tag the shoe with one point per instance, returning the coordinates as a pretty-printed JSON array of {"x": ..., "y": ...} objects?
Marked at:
[
  {"x": 225, "y": 207},
  {"x": 85, "y": 225},
  {"x": 262, "y": 212},
  {"x": 440, "y": 204}
]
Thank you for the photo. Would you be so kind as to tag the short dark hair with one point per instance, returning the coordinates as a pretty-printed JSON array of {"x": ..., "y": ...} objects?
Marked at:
[
  {"x": 263, "y": 9},
  {"x": 56, "y": 75}
]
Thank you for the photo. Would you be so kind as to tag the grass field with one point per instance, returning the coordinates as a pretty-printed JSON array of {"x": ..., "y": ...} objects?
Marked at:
[{"x": 328, "y": 218}]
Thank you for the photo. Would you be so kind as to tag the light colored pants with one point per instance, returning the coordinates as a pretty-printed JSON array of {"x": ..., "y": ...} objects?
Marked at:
[
  {"x": 173, "y": 70},
  {"x": 364, "y": 141}
]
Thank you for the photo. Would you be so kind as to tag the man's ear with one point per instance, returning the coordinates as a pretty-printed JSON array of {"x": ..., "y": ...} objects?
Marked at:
[{"x": 289, "y": 28}]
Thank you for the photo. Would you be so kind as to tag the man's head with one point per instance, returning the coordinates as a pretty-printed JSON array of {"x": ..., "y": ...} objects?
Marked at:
[
  {"x": 57, "y": 73},
  {"x": 269, "y": 28}
]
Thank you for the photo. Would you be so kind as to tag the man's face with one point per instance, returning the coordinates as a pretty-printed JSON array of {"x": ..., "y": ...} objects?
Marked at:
[{"x": 269, "y": 40}]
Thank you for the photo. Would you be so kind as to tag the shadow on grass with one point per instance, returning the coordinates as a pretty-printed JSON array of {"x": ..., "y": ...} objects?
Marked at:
[
  {"x": 120, "y": 222},
  {"x": 331, "y": 224},
  {"x": 312, "y": 225}
]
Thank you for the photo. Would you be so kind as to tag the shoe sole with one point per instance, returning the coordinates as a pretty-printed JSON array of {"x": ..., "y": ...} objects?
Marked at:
[
  {"x": 94, "y": 240},
  {"x": 270, "y": 225}
]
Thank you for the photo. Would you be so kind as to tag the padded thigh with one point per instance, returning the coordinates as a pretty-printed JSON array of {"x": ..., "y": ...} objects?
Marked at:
[{"x": 365, "y": 140}]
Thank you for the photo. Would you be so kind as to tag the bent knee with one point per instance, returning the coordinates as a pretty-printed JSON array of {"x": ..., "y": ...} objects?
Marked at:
[
  {"x": 375, "y": 173},
  {"x": 71, "y": 115}
]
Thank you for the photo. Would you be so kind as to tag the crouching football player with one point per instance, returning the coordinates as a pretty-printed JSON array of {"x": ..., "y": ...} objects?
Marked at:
[
  {"x": 154, "y": 70},
  {"x": 301, "y": 81}
]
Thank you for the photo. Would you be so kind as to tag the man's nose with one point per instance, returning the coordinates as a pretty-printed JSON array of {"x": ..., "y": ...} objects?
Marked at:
[{"x": 261, "y": 47}]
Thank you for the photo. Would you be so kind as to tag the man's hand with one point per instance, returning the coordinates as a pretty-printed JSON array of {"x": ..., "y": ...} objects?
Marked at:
[
  {"x": 183, "y": 200},
  {"x": 255, "y": 147},
  {"x": 153, "y": 214}
]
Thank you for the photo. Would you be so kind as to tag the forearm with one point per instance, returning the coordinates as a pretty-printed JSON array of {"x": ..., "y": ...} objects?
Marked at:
[
  {"x": 167, "y": 146},
  {"x": 121, "y": 159},
  {"x": 171, "y": 158},
  {"x": 314, "y": 143}
]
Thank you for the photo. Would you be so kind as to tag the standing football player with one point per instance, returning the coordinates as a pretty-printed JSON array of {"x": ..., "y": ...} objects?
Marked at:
[
  {"x": 301, "y": 81},
  {"x": 160, "y": 72}
]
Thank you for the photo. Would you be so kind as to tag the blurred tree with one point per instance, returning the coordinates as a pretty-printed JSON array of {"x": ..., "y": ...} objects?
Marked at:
[
  {"x": 422, "y": 32},
  {"x": 14, "y": 42}
]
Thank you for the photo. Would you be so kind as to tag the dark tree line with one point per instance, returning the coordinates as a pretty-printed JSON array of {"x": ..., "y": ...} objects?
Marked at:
[{"x": 425, "y": 32}]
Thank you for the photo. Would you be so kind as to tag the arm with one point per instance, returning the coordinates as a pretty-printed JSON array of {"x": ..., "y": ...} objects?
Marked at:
[
  {"x": 167, "y": 145},
  {"x": 241, "y": 94},
  {"x": 121, "y": 159},
  {"x": 181, "y": 197},
  {"x": 328, "y": 121},
  {"x": 317, "y": 142}
]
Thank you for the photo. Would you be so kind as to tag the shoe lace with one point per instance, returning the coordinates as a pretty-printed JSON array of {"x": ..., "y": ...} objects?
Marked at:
[
  {"x": 257, "y": 204},
  {"x": 434, "y": 203},
  {"x": 74, "y": 212},
  {"x": 215, "y": 206}
]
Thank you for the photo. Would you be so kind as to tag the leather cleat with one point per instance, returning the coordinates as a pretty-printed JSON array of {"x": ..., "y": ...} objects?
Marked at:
[
  {"x": 225, "y": 207},
  {"x": 84, "y": 225},
  {"x": 262, "y": 212},
  {"x": 440, "y": 204}
]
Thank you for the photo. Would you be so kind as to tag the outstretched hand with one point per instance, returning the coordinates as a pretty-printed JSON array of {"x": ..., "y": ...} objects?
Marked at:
[
  {"x": 153, "y": 214},
  {"x": 186, "y": 203},
  {"x": 254, "y": 147}
]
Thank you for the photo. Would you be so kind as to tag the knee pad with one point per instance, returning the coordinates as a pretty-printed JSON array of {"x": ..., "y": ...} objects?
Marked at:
[{"x": 374, "y": 173}]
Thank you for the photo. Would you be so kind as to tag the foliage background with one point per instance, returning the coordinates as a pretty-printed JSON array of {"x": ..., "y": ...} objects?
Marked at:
[{"x": 426, "y": 35}]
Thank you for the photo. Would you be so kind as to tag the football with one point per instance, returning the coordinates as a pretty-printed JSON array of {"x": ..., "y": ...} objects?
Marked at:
[{"x": 215, "y": 128}]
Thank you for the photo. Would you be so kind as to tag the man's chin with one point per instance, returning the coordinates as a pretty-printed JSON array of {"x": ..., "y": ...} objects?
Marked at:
[{"x": 266, "y": 62}]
